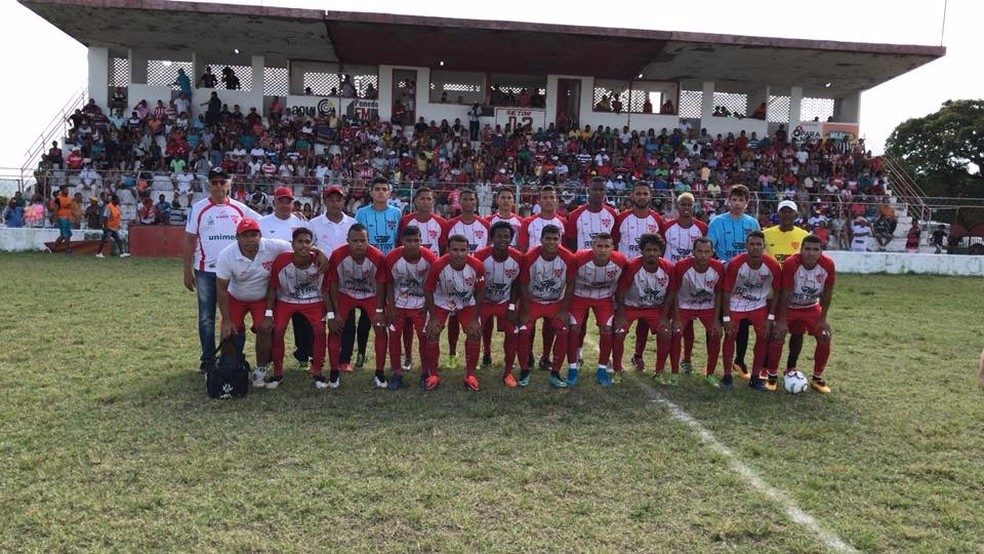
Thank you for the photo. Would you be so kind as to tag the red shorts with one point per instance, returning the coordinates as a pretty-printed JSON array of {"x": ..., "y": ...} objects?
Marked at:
[
  {"x": 346, "y": 304},
  {"x": 408, "y": 316},
  {"x": 652, "y": 316},
  {"x": 497, "y": 312},
  {"x": 706, "y": 317},
  {"x": 757, "y": 318},
  {"x": 802, "y": 320},
  {"x": 238, "y": 310},
  {"x": 546, "y": 311},
  {"x": 604, "y": 310},
  {"x": 464, "y": 315}
]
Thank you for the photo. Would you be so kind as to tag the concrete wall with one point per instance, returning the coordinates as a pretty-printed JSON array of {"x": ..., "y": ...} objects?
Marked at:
[
  {"x": 725, "y": 125},
  {"x": 897, "y": 264}
]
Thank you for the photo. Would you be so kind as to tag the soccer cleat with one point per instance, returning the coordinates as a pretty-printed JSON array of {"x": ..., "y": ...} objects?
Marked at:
[
  {"x": 471, "y": 382},
  {"x": 319, "y": 382},
  {"x": 741, "y": 370},
  {"x": 510, "y": 381},
  {"x": 273, "y": 381},
  {"x": 819, "y": 385},
  {"x": 407, "y": 364},
  {"x": 602, "y": 378},
  {"x": 100, "y": 255},
  {"x": 672, "y": 380},
  {"x": 572, "y": 376},
  {"x": 524, "y": 378},
  {"x": 486, "y": 361},
  {"x": 712, "y": 381},
  {"x": 452, "y": 361},
  {"x": 395, "y": 382},
  {"x": 638, "y": 363},
  {"x": 545, "y": 364},
  {"x": 360, "y": 361},
  {"x": 379, "y": 383},
  {"x": 258, "y": 377},
  {"x": 727, "y": 382},
  {"x": 687, "y": 367},
  {"x": 430, "y": 382},
  {"x": 771, "y": 384},
  {"x": 333, "y": 383},
  {"x": 557, "y": 383},
  {"x": 303, "y": 365},
  {"x": 617, "y": 377},
  {"x": 345, "y": 368},
  {"x": 659, "y": 377},
  {"x": 125, "y": 255},
  {"x": 758, "y": 384}
]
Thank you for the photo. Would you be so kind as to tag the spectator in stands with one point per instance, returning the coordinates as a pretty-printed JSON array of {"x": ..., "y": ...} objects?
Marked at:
[
  {"x": 760, "y": 112},
  {"x": 667, "y": 108},
  {"x": 147, "y": 212},
  {"x": 163, "y": 208},
  {"x": 183, "y": 82},
  {"x": 884, "y": 229},
  {"x": 939, "y": 235},
  {"x": 13, "y": 215},
  {"x": 77, "y": 210},
  {"x": 93, "y": 214},
  {"x": 230, "y": 79},
  {"x": 208, "y": 79},
  {"x": 912, "y": 237},
  {"x": 214, "y": 109},
  {"x": 54, "y": 156}
]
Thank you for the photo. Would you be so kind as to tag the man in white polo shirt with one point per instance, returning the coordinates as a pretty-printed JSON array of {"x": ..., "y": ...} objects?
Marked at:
[
  {"x": 281, "y": 225},
  {"x": 242, "y": 274},
  {"x": 211, "y": 227}
]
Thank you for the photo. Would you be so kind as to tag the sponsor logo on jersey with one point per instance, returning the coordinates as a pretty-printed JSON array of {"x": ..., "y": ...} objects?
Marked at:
[{"x": 511, "y": 273}]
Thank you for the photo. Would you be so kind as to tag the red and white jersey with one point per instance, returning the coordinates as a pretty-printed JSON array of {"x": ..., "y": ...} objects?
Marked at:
[
  {"x": 513, "y": 220},
  {"x": 532, "y": 229},
  {"x": 477, "y": 232},
  {"x": 358, "y": 280},
  {"x": 296, "y": 285},
  {"x": 215, "y": 225},
  {"x": 629, "y": 227},
  {"x": 430, "y": 230},
  {"x": 644, "y": 288},
  {"x": 546, "y": 280},
  {"x": 499, "y": 276},
  {"x": 583, "y": 224},
  {"x": 272, "y": 227},
  {"x": 454, "y": 289},
  {"x": 596, "y": 281},
  {"x": 680, "y": 240},
  {"x": 807, "y": 284},
  {"x": 695, "y": 289},
  {"x": 407, "y": 279},
  {"x": 329, "y": 235},
  {"x": 249, "y": 279},
  {"x": 750, "y": 287}
]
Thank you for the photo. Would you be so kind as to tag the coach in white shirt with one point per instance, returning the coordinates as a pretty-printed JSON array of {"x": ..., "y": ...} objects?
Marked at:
[{"x": 331, "y": 228}]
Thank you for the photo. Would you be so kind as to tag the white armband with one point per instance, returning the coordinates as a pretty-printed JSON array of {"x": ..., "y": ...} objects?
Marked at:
[
  {"x": 726, "y": 319},
  {"x": 511, "y": 307},
  {"x": 772, "y": 317},
  {"x": 268, "y": 313},
  {"x": 329, "y": 315}
]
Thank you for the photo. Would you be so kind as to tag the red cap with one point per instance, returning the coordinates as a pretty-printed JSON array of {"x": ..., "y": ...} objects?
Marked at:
[
  {"x": 282, "y": 192},
  {"x": 334, "y": 188},
  {"x": 247, "y": 224}
]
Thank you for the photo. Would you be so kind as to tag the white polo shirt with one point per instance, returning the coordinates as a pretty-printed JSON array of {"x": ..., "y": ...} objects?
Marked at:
[
  {"x": 249, "y": 279},
  {"x": 272, "y": 227},
  {"x": 215, "y": 226},
  {"x": 329, "y": 235}
]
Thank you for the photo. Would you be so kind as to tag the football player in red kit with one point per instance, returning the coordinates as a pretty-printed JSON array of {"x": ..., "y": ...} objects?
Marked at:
[
  {"x": 505, "y": 204},
  {"x": 680, "y": 234},
  {"x": 502, "y": 264},
  {"x": 698, "y": 280}
]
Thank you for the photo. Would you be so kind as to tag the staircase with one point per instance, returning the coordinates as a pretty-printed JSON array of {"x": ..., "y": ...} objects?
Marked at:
[
  {"x": 56, "y": 129},
  {"x": 908, "y": 201}
]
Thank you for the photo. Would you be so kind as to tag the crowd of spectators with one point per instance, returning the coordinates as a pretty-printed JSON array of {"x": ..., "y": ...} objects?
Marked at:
[{"x": 164, "y": 151}]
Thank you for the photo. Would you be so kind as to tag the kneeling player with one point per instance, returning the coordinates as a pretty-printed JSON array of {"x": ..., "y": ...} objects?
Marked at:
[
  {"x": 501, "y": 264},
  {"x": 698, "y": 281},
  {"x": 455, "y": 286},
  {"x": 645, "y": 293},
  {"x": 807, "y": 289},
  {"x": 408, "y": 267}
]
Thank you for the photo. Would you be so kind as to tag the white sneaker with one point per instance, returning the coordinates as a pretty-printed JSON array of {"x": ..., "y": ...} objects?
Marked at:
[
  {"x": 334, "y": 384},
  {"x": 379, "y": 383},
  {"x": 272, "y": 382},
  {"x": 407, "y": 364},
  {"x": 100, "y": 255},
  {"x": 259, "y": 374},
  {"x": 125, "y": 255},
  {"x": 321, "y": 385}
]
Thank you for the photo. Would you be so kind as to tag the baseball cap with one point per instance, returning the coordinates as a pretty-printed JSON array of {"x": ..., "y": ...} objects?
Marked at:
[
  {"x": 788, "y": 204},
  {"x": 282, "y": 192},
  {"x": 247, "y": 224},
  {"x": 334, "y": 189},
  {"x": 217, "y": 173}
]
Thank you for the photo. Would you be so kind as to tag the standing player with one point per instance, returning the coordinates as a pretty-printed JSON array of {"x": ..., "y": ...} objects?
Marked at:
[
  {"x": 698, "y": 281},
  {"x": 543, "y": 282},
  {"x": 455, "y": 285},
  {"x": 211, "y": 227},
  {"x": 751, "y": 279},
  {"x": 629, "y": 226},
  {"x": 728, "y": 233},
  {"x": 505, "y": 204},
  {"x": 501, "y": 265},
  {"x": 807, "y": 289},
  {"x": 356, "y": 279},
  {"x": 591, "y": 282},
  {"x": 645, "y": 293},
  {"x": 408, "y": 267},
  {"x": 587, "y": 221},
  {"x": 781, "y": 241},
  {"x": 680, "y": 234},
  {"x": 295, "y": 287},
  {"x": 331, "y": 228}
]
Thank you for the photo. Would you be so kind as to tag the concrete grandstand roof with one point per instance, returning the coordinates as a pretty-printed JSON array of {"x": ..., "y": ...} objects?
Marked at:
[{"x": 735, "y": 63}]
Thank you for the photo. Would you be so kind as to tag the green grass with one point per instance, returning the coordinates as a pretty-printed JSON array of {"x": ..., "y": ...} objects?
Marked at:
[{"x": 107, "y": 441}]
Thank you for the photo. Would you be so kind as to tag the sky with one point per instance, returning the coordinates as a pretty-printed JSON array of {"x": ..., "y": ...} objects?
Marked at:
[{"x": 45, "y": 67}]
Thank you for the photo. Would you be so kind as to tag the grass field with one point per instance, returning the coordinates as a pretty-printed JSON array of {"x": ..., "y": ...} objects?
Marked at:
[{"x": 107, "y": 441}]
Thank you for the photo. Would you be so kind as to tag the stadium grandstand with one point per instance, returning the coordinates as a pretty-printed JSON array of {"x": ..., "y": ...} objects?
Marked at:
[{"x": 309, "y": 98}]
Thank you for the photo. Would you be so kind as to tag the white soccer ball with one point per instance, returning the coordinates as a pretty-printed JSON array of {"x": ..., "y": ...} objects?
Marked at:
[{"x": 794, "y": 382}]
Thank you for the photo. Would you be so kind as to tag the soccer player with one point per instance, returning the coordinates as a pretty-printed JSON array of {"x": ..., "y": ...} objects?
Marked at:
[
  {"x": 781, "y": 241},
  {"x": 295, "y": 287},
  {"x": 591, "y": 282},
  {"x": 211, "y": 227},
  {"x": 645, "y": 293},
  {"x": 356, "y": 279},
  {"x": 543, "y": 283},
  {"x": 728, "y": 233},
  {"x": 587, "y": 221},
  {"x": 454, "y": 285},
  {"x": 501, "y": 265},
  {"x": 430, "y": 224},
  {"x": 751, "y": 280},
  {"x": 806, "y": 291},
  {"x": 505, "y": 204},
  {"x": 680, "y": 234},
  {"x": 281, "y": 225},
  {"x": 242, "y": 275},
  {"x": 698, "y": 281},
  {"x": 408, "y": 266}
]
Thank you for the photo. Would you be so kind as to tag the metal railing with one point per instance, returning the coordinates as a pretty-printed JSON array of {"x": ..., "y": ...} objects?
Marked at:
[
  {"x": 906, "y": 189},
  {"x": 57, "y": 127}
]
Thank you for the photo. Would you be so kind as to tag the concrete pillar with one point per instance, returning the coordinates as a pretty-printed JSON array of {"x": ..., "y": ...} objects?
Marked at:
[
  {"x": 295, "y": 78},
  {"x": 756, "y": 97},
  {"x": 385, "y": 92},
  {"x": 257, "y": 86},
  {"x": 138, "y": 67},
  {"x": 706, "y": 105},
  {"x": 198, "y": 64},
  {"x": 99, "y": 76},
  {"x": 848, "y": 108},
  {"x": 795, "y": 102}
]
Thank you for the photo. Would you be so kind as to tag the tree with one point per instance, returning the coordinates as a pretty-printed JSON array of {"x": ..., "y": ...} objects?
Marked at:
[{"x": 944, "y": 148}]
